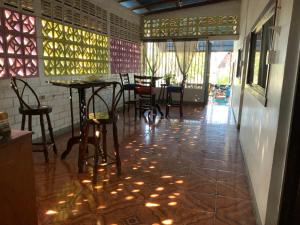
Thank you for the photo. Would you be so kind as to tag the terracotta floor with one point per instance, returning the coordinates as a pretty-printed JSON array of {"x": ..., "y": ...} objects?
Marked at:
[{"x": 188, "y": 172}]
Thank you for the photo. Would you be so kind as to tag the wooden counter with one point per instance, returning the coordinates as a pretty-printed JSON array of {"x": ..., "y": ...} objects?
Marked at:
[{"x": 17, "y": 187}]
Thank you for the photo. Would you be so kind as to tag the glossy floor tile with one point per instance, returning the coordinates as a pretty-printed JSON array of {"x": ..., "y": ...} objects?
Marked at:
[{"x": 183, "y": 172}]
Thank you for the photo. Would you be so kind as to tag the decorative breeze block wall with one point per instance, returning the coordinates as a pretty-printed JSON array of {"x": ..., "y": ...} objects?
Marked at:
[
  {"x": 123, "y": 29},
  {"x": 18, "y": 47},
  {"x": 73, "y": 51},
  {"x": 189, "y": 27},
  {"x": 125, "y": 56}
]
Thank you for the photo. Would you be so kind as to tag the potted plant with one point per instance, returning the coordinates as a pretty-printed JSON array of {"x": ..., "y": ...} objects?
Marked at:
[{"x": 168, "y": 77}]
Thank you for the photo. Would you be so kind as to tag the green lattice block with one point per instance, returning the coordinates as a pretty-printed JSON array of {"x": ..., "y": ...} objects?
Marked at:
[
  {"x": 93, "y": 68},
  {"x": 79, "y": 67},
  {"x": 60, "y": 67},
  {"x": 77, "y": 35},
  {"x": 48, "y": 48},
  {"x": 49, "y": 67},
  {"x": 105, "y": 42},
  {"x": 69, "y": 51},
  {"x": 99, "y": 40},
  {"x": 93, "y": 54},
  {"x": 78, "y": 52},
  {"x": 59, "y": 50},
  {"x": 85, "y": 53},
  {"x": 70, "y": 67},
  {"x": 93, "y": 39},
  {"x": 69, "y": 33},
  {"x": 58, "y": 31},
  {"x": 86, "y": 37},
  {"x": 47, "y": 29},
  {"x": 86, "y": 67}
]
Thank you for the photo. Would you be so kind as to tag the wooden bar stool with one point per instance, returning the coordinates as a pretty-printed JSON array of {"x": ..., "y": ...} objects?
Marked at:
[
  {"x": 175, "y": 90},
  {"x": 20, "y": 87},
  {"x": 108, "y": 116},
  {"x": 162, "y": 93},
  {"x": 129, "y": 87}
]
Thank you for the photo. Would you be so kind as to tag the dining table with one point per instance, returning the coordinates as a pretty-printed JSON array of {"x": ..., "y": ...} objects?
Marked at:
[{"x": 81, "y": 86}]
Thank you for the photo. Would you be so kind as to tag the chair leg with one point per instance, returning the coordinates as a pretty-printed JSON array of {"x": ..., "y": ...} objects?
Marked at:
[
  {"x": 30, "y": 123},
  {"x": 51, "y": 133},
  {"x": 123, "y": 95},
  {"x": 128, "y": 101},
  {"x": 181, "y": 107},
  {"x": 116, "y": 146},
  {"x": 160, "y": 94},
  {"x": 23, "y": 122},
  {"x": 135, "y": 110},
  {"x": 96, "y": 156},
  {"x": 44, "y": 140},
  {"x": 167, "y": 105},
  {"x": 104, "y": 144}
]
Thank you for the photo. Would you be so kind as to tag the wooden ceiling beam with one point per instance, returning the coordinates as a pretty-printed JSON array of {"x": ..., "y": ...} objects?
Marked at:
[
  {"x": 152, "y": 4},
  {"x": 208, "y": 2}
]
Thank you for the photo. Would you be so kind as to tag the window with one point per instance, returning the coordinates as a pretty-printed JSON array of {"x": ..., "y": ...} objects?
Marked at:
[
  {"x": 170, "y": 46},
  {"x": 261, "y": 41},
  {"x": 18, "y": 48},
  {"x": 239, "y": 64}
]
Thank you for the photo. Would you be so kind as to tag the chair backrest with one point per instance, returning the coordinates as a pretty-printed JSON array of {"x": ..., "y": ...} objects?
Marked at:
[
  {"x": 143, "y": 80},
  {"x": 110, "y": 105},
  {"x": 124, "y": 77},
  {"x": 20, "y": 87}
]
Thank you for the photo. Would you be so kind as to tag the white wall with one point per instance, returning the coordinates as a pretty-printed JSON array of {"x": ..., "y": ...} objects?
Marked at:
[
  {"x": 56, "y": 97},
  {"x": 259, "y": 124}
]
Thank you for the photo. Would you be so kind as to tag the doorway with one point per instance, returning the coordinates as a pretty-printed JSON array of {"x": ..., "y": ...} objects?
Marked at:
[
  {"x": 220, "y": 73},
  {"x": 290, "y": 205}
]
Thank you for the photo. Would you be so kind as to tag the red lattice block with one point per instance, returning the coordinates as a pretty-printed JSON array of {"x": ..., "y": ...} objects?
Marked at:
[
  {"x": 125, "y": 56},
  {"x": 18, "y": 47}
]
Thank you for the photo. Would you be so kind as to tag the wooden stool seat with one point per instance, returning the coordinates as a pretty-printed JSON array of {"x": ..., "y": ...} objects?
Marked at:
[
  {"x": 100, "y": 117},
  {"x": 35, "y": 110}
]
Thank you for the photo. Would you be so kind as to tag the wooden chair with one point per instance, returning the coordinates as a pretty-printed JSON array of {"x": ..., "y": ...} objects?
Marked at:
[
  {"x": 129, "y": 87},
  {"x": 175, "y": 90},
  {"x": 100, "y": 120},
  {"x": 20, "y": 87},
  {"x": 162, "y": 93},
  {"x": 144, "y": 92}
]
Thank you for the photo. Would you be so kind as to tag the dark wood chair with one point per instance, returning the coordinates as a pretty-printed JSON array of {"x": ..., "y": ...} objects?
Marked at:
[
  {"x": 129, "y": 87},
  {"x": 145, "y": 95},
  {"x": 29, "y": 110},
  {"x": 162, "y": 93},
  {"x": 108, "y": 116},
  {"x": 179, "y": 90}
]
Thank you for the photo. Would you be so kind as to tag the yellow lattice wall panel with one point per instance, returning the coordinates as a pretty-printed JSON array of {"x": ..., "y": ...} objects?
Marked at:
[
  {"x": 73, "y": 51},
  {"x": 190, "y": 27}
]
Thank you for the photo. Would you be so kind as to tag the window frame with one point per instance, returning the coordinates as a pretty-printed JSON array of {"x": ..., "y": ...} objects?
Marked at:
[
  {"x": 238, "y": 72},
  {"x": 257, "y": 90}
]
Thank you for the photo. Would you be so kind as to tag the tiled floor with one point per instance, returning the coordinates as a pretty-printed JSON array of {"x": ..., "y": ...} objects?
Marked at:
[{"x": 188, "y": 172}]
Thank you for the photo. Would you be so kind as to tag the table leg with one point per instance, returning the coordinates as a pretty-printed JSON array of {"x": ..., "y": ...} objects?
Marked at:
[{"x": 82, "y": 116}]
